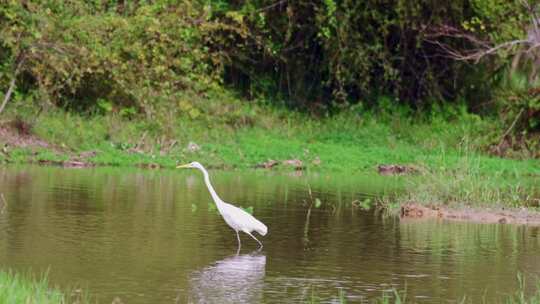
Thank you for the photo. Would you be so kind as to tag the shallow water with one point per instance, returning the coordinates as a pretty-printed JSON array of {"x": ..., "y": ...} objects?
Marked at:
[{"x": 155, "y": 237}]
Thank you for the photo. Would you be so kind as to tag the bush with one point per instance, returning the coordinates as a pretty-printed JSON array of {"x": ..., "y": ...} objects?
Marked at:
[
  {"x": 518, "y": 102},
  {"x": 109, "y": 57},
  {"x": 333, "y": 52}
]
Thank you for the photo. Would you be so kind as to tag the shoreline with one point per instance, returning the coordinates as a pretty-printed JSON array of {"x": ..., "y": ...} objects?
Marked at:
[
  {"x": 429, "y": 175},
  {"x": 481, "y": 215},
  {"x": 407, "y": 211}
]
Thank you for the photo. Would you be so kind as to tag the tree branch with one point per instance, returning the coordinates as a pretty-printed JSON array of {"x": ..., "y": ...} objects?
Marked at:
[
  {"x": 271, "y": 6},
  {"x": 11, "y": 85},
  {"x": 479, "y": 48},
  {"x": 511, "y": 127},
  {"x": 483, "y": 47},
  {"x": 478, "y": 55}
]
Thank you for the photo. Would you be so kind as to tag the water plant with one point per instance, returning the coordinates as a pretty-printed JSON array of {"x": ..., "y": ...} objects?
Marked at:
[{"x": 26, "y": 288}]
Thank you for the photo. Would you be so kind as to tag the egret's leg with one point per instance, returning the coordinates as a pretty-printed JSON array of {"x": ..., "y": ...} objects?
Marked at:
[
  {"x": 239, "y": 244},
  {"x": 255, "y": 239}
]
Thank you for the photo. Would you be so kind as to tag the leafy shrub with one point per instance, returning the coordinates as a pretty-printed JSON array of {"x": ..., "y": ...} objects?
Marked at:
[
  {"x": 334, "y": 52},
  {"x": 518, "y": 100},
  {"x": 79, "y": 54}
]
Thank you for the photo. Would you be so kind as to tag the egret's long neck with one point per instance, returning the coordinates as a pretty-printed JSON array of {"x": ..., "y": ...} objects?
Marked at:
[{"x": 210, "y": 188}]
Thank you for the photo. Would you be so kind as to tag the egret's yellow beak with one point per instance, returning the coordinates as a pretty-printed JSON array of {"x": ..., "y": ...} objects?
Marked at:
[{"x": 182, "y": 166}]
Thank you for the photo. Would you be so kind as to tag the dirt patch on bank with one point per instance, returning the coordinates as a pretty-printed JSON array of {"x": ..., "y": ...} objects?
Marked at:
[
  {"x": 413, "y": 211},
  {"x": 16, "y": 135},
  {"x": 12, "y": 137}
]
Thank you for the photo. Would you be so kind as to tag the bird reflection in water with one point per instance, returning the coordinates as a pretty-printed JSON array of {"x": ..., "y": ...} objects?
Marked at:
[{"x": 235, "y": 279}]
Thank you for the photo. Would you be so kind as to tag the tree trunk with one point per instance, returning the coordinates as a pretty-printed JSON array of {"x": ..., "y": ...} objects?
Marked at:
[{"x": 11, "y": 86}]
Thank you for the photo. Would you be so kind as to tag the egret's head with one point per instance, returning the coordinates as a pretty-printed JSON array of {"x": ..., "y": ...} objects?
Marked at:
[{"x": 191, "y": 165}]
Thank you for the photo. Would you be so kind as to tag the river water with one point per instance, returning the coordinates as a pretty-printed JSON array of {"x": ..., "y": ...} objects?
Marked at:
[{"x": 156, "y": 237}]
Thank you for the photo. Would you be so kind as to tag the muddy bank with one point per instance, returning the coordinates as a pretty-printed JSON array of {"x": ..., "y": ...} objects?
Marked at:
[
  {"x": 14, "y": 136},
  {"x": 11, "y": 136},
  {"x": 413, "y": 211}
]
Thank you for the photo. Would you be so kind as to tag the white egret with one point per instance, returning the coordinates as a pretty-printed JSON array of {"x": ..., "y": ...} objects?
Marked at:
[{"x": 236, "y": 218}]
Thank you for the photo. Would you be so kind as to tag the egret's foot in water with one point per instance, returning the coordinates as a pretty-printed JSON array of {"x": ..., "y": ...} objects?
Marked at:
[{"x": 261, "y": 245}]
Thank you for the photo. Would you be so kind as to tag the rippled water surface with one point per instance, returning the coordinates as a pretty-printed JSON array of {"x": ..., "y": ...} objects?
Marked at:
[{"x": 155, "y": 237}]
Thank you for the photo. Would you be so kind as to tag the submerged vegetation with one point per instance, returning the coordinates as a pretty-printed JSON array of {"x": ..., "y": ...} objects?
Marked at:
[{"x": 393, "y": 296}]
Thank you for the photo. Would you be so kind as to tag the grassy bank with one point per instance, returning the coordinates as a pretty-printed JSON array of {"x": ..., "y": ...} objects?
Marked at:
[
  {"x": 17, "y": 288},
  {"x": 446, "y": 149}
]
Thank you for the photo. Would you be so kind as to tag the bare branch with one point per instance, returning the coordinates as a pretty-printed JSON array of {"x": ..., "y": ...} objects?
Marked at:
[
  {"x": 8, "y": 94},
  {"x": 452, "y": 32},
  {"x": 534, "y": 46},
  {"x": 11, "y": 85},
  {"x": 506, "y": 45},
  {"x": 272, "y": 5},
  {"x": 482, "y": 48},
  {"x": 511, "y": 126},
  {"x": 478, "y": 48}
]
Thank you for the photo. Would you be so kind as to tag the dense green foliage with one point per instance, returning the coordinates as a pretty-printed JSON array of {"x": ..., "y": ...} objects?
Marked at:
[
  {"x": 163, "y": 59},
  {"x": 350, "y": 51},
  {"x": 309, "y": 51},
  {"x": 90, "y": 56}
]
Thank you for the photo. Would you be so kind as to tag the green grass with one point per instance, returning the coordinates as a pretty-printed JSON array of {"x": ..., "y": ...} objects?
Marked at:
[
  {"x": 475, "y": 181},
  {"x": 18, "y": 288}
]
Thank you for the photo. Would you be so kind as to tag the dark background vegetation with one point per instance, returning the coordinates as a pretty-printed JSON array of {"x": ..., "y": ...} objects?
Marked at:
[{"x": 146, "y": 58}]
